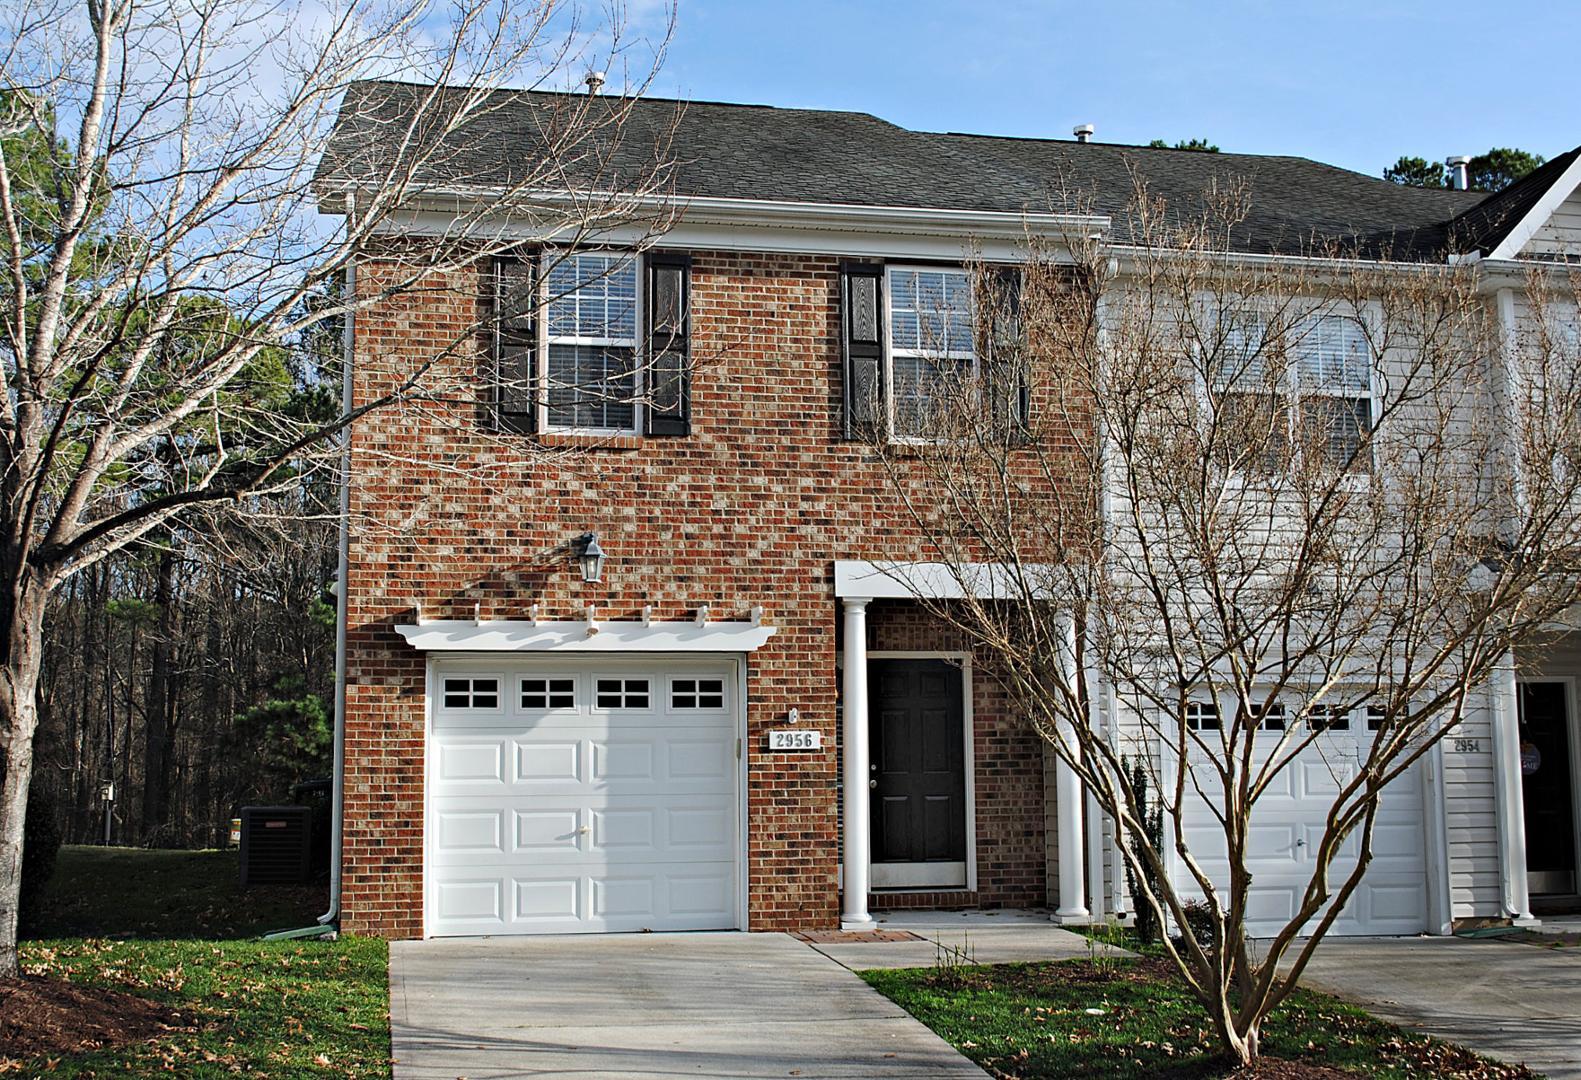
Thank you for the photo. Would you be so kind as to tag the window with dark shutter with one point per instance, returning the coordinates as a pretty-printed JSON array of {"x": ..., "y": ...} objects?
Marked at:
[
  {"x": 862, "y": 338},
  {"x": 669, "y": 344},
  {"x": 515, "y": 338}
]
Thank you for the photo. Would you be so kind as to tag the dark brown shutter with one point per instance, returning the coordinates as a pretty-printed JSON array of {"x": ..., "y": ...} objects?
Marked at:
[
  {"x": 669, "y": 353},
  {"x": 1005, "y": 360},
  {"x": 862, "y": 338},
  {"x": 515, "y": 344}
]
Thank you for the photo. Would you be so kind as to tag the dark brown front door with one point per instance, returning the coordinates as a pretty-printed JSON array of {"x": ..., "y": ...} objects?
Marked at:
[
  {"x": 918, "y": 759},
  {"x": 1547, "y": 788}
]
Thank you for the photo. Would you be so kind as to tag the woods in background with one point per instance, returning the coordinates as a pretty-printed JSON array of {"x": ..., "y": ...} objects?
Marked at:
[{"x": 189, "y": 676}]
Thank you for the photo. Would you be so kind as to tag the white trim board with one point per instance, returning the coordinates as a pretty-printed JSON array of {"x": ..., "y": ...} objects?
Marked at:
[
  {"x": 860, "y": 578},
  {"x": 596, "y": 637},
  {"x": 1518, "y": 237}
]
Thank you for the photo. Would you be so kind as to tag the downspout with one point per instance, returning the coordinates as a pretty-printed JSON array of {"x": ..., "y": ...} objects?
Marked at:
[{"x": 342, "y": 593}]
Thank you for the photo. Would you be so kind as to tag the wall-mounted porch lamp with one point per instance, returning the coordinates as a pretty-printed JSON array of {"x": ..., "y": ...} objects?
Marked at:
[{"x": 589, "y": 556}]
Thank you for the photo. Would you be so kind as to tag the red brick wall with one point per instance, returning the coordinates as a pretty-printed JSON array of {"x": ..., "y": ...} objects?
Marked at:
[{"x": 753, "y": 507}]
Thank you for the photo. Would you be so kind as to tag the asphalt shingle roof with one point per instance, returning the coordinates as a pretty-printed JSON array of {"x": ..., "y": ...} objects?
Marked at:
[{"x": 802, "y": 155}]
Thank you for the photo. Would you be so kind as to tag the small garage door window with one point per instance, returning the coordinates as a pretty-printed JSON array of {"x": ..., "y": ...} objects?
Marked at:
[
  {"x": 623, "y": 694},
  {"x": 472, "y": 693},
  {"x": 548, "y": 693},
  {"x": 697, "y": 694}
]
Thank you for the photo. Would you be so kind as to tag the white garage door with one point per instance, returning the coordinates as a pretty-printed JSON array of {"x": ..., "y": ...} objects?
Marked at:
[
  {"x": 1287, "y": 824},
  {"x": 581, "y": 796}
]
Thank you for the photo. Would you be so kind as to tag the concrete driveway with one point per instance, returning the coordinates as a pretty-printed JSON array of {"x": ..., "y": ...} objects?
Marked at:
[
  {"x": 649, "y": 1006},
  {"x": 1521, "y": 1003}
]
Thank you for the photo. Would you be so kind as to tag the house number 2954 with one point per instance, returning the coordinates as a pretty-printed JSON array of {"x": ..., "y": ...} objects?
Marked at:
[{"x": 1468, "y": 746}]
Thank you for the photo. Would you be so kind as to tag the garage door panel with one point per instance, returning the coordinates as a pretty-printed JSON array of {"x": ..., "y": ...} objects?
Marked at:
[
  {"x": 471, "y": 762},
  {"x": 548, "y": 762},
  {"x": 470, "y": 831},
  {"x": 581, "y": 819},
  {"x": 547, "y": 899}
]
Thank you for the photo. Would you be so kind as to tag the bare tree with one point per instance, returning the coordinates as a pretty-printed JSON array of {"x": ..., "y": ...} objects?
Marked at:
[
  {"x": 1262, "y": 515},
  {"x": 162, "y": 173}
]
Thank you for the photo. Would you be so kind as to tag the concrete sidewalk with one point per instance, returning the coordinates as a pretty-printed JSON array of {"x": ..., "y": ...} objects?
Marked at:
[
  {"x": 648, "y": 1006},
  {"x": 1520, "y": 1003},
  {"x": 973, "y": 937}
]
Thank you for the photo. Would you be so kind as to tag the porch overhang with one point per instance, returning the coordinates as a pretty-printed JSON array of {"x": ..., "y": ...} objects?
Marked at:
[{"x": 936, "y": 580}]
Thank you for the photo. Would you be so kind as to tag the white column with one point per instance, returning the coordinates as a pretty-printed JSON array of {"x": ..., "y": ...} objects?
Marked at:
[
  {"x": 1504, "y": 724},
  {"x": 855, "y": 779},
  {"x": 1068, "y": 800}
]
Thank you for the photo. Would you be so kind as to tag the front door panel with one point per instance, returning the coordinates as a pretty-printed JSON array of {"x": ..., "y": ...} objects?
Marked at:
[
  {"x": 1547, "y": 788},
  {"x": 918, "y": 761}
]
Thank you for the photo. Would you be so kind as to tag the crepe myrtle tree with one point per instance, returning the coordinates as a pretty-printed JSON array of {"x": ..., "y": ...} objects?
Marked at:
[
  {"x": 163, "y": 172},
  {"x": 1249, "y": 503}
]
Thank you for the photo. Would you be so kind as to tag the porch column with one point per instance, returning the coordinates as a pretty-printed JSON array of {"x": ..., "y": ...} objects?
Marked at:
[
  {"x": 1510, "y": 814},
  {"x": 854, "y": 777},
  {"x": 1069, "y": 800}
]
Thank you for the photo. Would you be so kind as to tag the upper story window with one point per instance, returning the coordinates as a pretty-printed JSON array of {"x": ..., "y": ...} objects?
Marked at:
[
  {"x": 931, "y": 351},
  {"x": 1303, "y": 388},
  {"x": 593, "y": 342},
  {"x": 590, "y": 373},
  {"x": 931, "y": 359}
]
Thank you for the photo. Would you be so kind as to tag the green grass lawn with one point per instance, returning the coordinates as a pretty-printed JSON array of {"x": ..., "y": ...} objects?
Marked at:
[
  {"x": 261, "y": 1008},
  {"x": 1125, "y": 1018},
  {"x": 175, "y": 927}
]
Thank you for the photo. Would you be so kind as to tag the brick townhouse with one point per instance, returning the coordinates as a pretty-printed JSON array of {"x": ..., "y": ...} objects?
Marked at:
[{"x": 596, "y": 646}]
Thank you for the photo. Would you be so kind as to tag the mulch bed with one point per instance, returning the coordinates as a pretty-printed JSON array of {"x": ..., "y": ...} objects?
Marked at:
[
  {"x": 856, "y": 937},
  {"x": 44, "y": 1017}
]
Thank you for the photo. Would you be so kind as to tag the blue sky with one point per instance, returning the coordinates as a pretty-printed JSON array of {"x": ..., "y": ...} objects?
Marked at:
[{"x": 1352, "y": 83}]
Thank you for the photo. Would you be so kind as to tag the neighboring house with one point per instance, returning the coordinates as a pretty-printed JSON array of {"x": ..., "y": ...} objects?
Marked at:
[{"x": 529, "y": 752}]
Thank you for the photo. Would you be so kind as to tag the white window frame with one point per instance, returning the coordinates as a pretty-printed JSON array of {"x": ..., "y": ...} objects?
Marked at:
[
  {"x": 1294, "y": 393},
  {"x": 890, "y": 351},
  {"x": 549, "y": 257}
]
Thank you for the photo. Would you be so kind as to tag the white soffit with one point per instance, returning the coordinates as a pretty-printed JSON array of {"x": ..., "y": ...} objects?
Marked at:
[
  {"x": 859, "y": 578},
  {"x": 521, "y": 636}
]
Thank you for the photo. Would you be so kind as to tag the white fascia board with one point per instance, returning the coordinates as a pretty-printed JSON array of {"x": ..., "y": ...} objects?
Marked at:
[
  {"x": 791, "y": 228},
  {"x": 862, "y": 579},
  {"x": 568, "y": 636},
  {"x": 1538, "y": 215}
]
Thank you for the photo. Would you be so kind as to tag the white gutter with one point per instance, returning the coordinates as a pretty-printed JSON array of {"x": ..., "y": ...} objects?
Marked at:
[{"x": 337, "y": 794}]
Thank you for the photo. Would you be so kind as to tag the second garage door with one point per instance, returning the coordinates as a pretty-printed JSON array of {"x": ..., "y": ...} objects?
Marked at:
[
  {"x": 583, "y": 796},
  {"x": 1288, "y": 822}
]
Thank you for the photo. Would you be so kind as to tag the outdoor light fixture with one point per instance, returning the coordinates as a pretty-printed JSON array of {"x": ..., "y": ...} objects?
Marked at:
[{"x": 589, "y": 556}]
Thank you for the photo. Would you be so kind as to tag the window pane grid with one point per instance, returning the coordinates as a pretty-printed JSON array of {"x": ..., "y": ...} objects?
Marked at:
[
  {"x": 622, "y": 694},
  {"x": 1202, "y": 716},
  {"x": 548, "y": 694},
  {"x": 471, "y": 693},
  {"x": 931, "y": 313},
  {"x": 697, "y": 694}
]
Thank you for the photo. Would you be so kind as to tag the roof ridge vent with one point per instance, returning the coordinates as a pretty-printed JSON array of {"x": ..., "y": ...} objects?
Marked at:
[
  {"x": 594, "y": 81},
  {"x": 1083, "y": 132}
]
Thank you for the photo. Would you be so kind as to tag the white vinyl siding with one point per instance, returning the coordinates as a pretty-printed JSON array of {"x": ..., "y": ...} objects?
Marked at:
[{"x": 1561, "y": 234}]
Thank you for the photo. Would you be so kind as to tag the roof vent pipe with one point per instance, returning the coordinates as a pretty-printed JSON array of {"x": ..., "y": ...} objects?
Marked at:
[
  {"x": 595, "y": 81},
  {"x": 1459, "y": 177},
  {"x": 1083, "y": 132}
]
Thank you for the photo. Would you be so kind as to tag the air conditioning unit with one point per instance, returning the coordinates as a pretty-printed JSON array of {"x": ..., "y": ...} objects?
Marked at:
[{"x": 276, "y": 845}]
